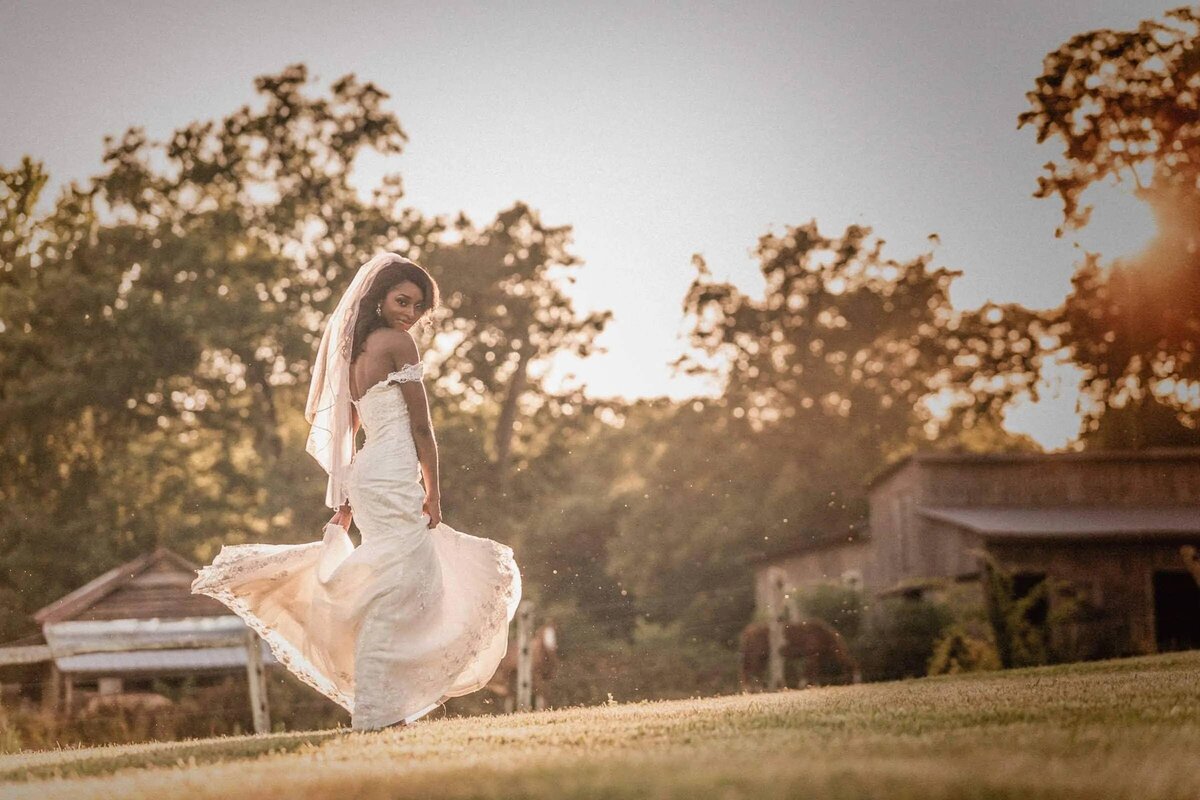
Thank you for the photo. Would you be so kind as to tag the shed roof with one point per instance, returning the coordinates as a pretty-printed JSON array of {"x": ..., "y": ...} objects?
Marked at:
[
  {"x": 65, "y": 637},
  {"x": 155, "y": 584},
  {"x": 1064, "y": 522},
  {"x": 215, "y": 658}
]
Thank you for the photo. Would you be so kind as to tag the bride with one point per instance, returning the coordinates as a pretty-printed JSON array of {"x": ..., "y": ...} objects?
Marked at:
[{"x": 418, "y": 612}]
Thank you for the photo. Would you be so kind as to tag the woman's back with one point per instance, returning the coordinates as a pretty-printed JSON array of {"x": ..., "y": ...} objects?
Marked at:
[{"x": 383, "y": 352}]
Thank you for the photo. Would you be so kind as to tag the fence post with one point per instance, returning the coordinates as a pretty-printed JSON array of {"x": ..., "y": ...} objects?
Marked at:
[
  {"x": 257, "y": 679},
  {"x": 52, "y": 694},
  {"x": 775, "y": 622},
  {"x": 524, "y": 656}
]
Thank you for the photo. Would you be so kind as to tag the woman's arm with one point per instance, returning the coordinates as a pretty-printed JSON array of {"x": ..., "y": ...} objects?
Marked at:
[
  {"x": 427, "y": 454},
  {"x": 405, "y": 353}
]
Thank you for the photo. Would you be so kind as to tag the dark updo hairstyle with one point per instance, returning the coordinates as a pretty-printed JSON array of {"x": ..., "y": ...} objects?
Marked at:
[{"x": 383, "y": 282}]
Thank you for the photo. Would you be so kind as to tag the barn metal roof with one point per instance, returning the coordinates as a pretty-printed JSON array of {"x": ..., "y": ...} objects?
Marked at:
[
  {"x": 62, "y": 635},
  {"x": 73, "y": 635},
  {"x": 161, "y": 660},
  {"x": 1068, "y": 522},
  {"x": 1148, "y": 454}
]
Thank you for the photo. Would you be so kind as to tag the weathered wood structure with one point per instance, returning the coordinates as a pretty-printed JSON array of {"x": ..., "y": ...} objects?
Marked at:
[
  {"x": 1109, "y": 523},
  {"x": 137, "y": 623},
  {"x": 528, "y": 667}
]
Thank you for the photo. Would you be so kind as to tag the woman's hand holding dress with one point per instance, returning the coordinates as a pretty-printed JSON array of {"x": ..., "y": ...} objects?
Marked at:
[
  {"x": 433, "y": 507},
  {"x": 342, "y": 516}
]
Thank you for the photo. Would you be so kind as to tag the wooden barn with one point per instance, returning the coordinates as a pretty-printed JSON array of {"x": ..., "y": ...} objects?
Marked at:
[
  {"x": 136, "y": 624},
  {"x": 1111, "y": 524}
]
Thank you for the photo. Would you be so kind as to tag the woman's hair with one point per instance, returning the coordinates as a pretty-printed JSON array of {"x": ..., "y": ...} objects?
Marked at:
[{"x": 385, "y": 280}]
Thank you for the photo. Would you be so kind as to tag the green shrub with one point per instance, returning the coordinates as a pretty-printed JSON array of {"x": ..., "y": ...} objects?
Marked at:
[
  {"x": 840, "y": 606},
  {"x": 1020, "y": 640},
  {"x": 959, "y": 651},
  {"x": 899, "y": 637}
]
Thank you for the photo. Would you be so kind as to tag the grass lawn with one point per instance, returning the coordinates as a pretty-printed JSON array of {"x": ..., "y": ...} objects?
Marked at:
[{"x": 1116, "y": 729}]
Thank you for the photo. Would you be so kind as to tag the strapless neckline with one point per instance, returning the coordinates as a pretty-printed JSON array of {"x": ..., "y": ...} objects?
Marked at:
[{"x": 408, "y": 372}]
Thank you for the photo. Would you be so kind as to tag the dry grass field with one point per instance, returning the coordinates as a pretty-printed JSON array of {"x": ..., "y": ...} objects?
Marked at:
[{"x": 1118, "y": 729}]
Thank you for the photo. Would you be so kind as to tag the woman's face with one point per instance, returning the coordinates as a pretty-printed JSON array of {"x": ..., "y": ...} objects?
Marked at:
[{"x": 403, "y": 305}]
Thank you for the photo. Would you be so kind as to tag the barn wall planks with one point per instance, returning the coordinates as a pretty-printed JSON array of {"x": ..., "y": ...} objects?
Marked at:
[{"x": 904, "y": 547}]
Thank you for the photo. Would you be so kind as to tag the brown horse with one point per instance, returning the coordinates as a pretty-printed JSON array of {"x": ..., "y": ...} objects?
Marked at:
[
  {"x": 815, "y": 641},
  {"x": 543, "y": 650}
]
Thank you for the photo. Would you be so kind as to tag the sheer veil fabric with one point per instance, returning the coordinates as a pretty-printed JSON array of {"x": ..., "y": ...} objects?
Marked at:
[
  {"x": 331, "y": 438},
  {"x": 413, "y": 615}
]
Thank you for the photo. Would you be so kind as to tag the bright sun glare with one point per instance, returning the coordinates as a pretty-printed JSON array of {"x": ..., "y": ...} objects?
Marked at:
[{"x": 1121, "y": 225}]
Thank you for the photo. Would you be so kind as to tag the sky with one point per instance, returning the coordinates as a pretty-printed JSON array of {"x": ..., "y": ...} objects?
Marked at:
[{"x": 657, "y": 131}]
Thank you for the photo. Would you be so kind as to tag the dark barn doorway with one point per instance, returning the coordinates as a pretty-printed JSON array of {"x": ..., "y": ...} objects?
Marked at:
[
  {"x": 1025, "y": 583},
  {"x": 1176, "y": 611}
]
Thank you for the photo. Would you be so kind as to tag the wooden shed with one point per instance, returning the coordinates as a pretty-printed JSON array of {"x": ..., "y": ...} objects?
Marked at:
[
  {"x": 135, "y": 624},
  {"x": 1109, "y": 523}
]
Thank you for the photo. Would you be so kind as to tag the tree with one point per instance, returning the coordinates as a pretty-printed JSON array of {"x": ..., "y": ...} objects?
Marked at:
[
  {"x": 150, "y": 322},
  {"x": 157, "y": 327},
  {"x": 506, "y": 318},
  {"x": 1124, "y": 107},
  {"x": 695, "y": 494},
  {"x": 827, "y": 376},
  {"x": 847, "y": 355}
]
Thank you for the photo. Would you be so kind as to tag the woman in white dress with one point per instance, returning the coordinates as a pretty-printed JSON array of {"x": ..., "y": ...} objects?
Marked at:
[{"x": 418, "y": 612}]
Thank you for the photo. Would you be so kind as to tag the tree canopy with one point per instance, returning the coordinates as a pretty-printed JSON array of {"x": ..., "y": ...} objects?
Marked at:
[
  {"x": 158, "y": 323},
  {"x": 1125, "y": 107}
]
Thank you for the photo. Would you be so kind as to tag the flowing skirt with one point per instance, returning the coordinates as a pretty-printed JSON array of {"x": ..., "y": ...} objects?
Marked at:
[{"x": 388, "y": 630}]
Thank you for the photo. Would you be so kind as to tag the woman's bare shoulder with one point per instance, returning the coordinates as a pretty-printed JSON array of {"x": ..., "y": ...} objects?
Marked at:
[{"x": 400, "y": 345}]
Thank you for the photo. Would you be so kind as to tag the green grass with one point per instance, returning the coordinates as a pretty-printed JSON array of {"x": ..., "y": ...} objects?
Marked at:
[{"x": 1116, "y": 729}]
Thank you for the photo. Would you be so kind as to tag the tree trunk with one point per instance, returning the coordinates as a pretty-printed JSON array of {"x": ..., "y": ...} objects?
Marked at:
[
  {"x": 266, "y": 436},
  {"x": 508, "y": 413}
]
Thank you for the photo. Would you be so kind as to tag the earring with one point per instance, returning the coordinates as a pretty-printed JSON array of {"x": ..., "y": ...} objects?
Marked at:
[{"x": 379, "y": 310}]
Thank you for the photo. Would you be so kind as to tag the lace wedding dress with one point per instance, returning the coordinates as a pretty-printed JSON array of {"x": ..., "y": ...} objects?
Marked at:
[{"x": 393, "y": 628}]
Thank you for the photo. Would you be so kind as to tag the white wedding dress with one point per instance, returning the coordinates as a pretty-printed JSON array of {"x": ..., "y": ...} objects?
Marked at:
[{"x": 393, "y": 628}]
